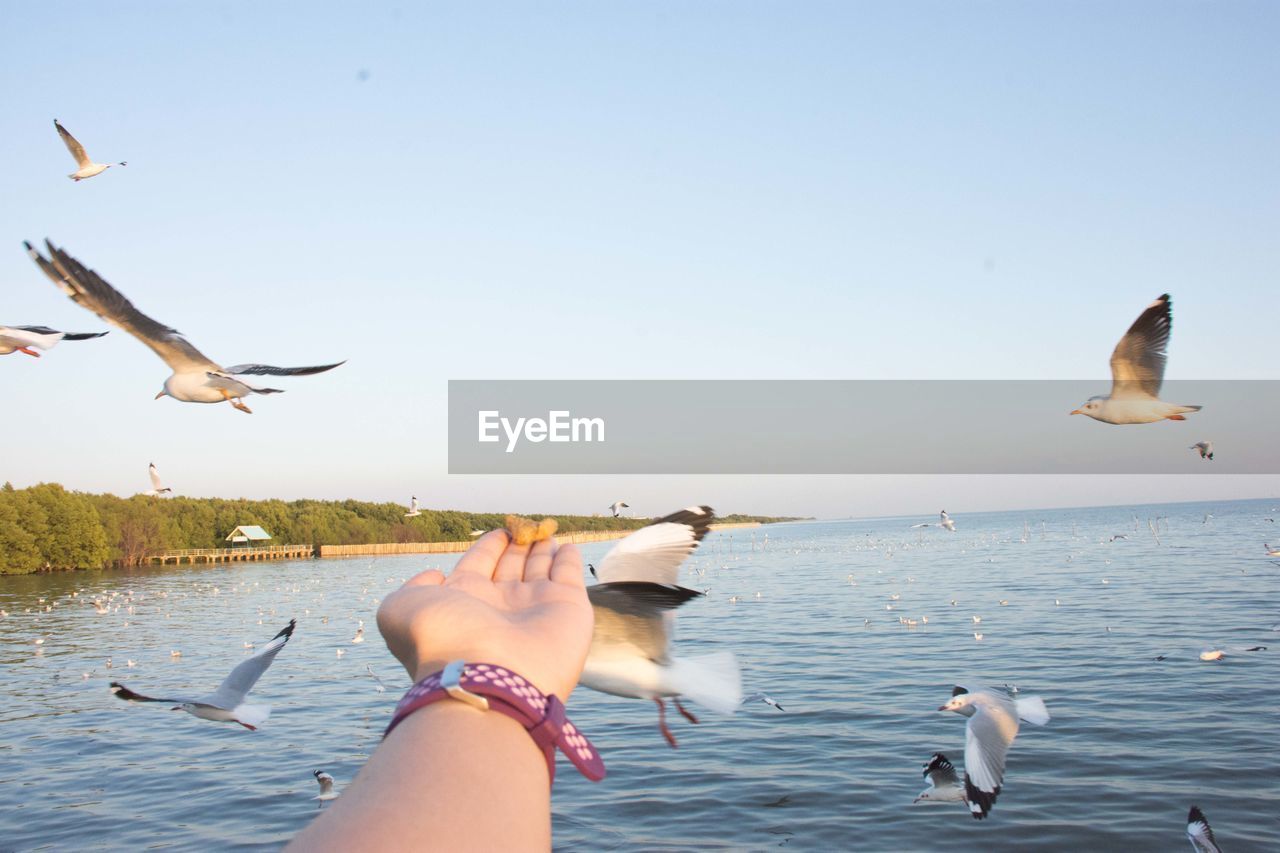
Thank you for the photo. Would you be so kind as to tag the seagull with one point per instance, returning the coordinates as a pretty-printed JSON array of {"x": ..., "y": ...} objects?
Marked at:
[
  {"x": 1271, "y": 552},
  {"x": 1137, "y": 370},
  {"x": 946, "y": 522},
  {"x": 87, "y": 168},
  {"x": 359, "y": 637},
  {"x": 630, "y": 652},
  {"x": 381, "y": 688},
  {"x": 28, "y": 339},
  {"x": 195, "y": 378},
  {"x": 617, "y": 507},
  {"x": 1205, "y": 448},
  {"x": 944, "y": 785},
  {"x": 157, "y": 488},
  {"x": 1199, "y": 833},
  {"x": 413, "y": 512},
  {"x": 226, "y": 704},
  {"x": 765, "y": 698},
  {"x": 326, "y": 786},
  {"x": 993, "y": 724}
]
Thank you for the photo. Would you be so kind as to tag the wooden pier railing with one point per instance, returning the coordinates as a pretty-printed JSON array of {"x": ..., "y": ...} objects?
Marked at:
[{"x": 232, "y": 555}]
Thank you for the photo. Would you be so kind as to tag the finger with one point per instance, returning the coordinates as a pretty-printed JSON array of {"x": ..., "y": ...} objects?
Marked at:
[
  {"x": 431, "y": 577},
  {"x": 482, "y": 557},
  {"x": 538, "y": 566},
  {"x": 566, "y": 568},
  {"x": 511, "y": 563}
]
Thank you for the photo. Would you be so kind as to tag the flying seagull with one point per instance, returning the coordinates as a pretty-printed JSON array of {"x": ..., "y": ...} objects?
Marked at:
[
  {"x": 760, "y": 696},
  {"x": 617, "y": 507},
  {"x": 1205, "y": 448},
  {"x": 413, "y": 512},
  {"x": 28, "y": 339},
  {"x": 634, "y": 607},
  {"x": 195, "y": 378},
  {"x": 993, "y": 724},
  {"x": 944, "y": 522},
  {"x": 226, "y": 704},
  {"x": 157, "y": 488},
  {"x": 1137, "y": 370},
  {"x": 326, "y": 786},
  {"x": 86, "y": 167},
  {"x": 1199, "y": 833},
  {"x": 944, "y": 785}
]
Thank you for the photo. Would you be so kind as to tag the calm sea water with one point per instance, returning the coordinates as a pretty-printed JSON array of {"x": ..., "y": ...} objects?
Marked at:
[{"x": 1133, "y": 742}]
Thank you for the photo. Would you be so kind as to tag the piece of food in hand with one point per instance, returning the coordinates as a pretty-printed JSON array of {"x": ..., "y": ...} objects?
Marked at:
[{"x": 525, "y": 531}]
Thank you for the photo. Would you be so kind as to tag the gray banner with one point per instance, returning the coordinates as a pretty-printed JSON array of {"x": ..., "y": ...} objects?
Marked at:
[{"x": 849, "y": 427}]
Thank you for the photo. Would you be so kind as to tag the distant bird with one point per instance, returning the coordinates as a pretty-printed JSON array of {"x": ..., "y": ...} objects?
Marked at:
[
  {"x": 359, "y": 637},
  {"x": 157, "y": 488},
  {"x": 326, "y": 786},
  {"x": 1199, "y": 833},
  {"x": 226, "y": 704},
  {"x": 1271, "y": 552},
  {"x": 1212, "y": 655},
  {"x": 947, "y": 522},
  {"x": 993, "y": 724},
  {"x": 28, "y": 339},
  {"x": 195, "y": 378},
  {"x": 1137, "y": 371},
  {"x": 977, "y": 635},
  {"x": 87, "y": 168},
  {"x": 1119, "y": 536},
  {"x": 765, "y": 698},
  {"x": 1205, "y": 448},
  {"x": 413, "y": 508},
  {"x": 634, "y": 623},
  {"x": 381, "y": 688},
  {"x": 944, "y": 785},
  {"x": 617, "y": 507}
]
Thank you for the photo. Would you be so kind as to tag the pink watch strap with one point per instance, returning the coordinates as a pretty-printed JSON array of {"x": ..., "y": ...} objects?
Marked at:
[{"x": 491, "y": 687}]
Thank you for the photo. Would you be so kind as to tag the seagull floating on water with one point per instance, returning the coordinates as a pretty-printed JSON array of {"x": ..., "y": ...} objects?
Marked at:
[
  {"x": 1199, "y": 833},
  {"x": 226, "y": 704},
  {"x": 87, "y": 168},
  {"x": 1205, "y": 448},
  {"x": 195, "y": 378},
  {"x": 157, "y": 488},
  {"x": 1137, "y": 371},
  {"x": 630, "y": 652},
  {"x": 993, "y": 724},
  {"x": 28, "y": 339},
  {"x": 944, "y": 785},
  {"x": 326, "y": 786}
]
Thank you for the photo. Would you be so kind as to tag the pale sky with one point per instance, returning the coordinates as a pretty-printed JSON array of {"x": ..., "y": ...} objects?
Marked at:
[{"x": 656, "y": 190}]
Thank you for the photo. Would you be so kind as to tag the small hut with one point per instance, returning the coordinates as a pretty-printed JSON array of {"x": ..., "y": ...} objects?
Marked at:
[{"x": 247, "y": 534}]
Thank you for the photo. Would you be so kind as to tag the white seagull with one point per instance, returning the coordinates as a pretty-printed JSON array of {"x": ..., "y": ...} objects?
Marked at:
[
  {"x": 157, "y": 488},
  {"x": 226, "y": 704},
  {"x": 617, "y": 507},
  {"x": 944, "y": 785},
  {"x": 326, "y": 786},
  {"x": 195, "y": 378},
  {"x": 1206, "y": 451},
  {"x": 413, "y": 512},
  {"x": 1199, "y": 833},
  {"x": 944, "y": 522},
  {"x": 28, "y": 339},
  {"x": 993, "y": 724},
  {"x": 760, "y": 696},
  {"x": 1137, "y": 370},
  {"x": 86, "y": 167},
  {"x": 634, "y": 607}
]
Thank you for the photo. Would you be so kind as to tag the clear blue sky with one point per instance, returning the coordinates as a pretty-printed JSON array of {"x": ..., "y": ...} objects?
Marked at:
[{"x": 712, "y": 190}]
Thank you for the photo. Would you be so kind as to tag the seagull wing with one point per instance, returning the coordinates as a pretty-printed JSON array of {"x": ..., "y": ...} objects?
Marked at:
[
  {"x": 654, "y": 553},
  {"x": 73, "y": 145},
  {"x": 236, "y": 686},
  {"x": 1137, "y": 364},
  {"x": 1199, "y": 833},
  {"x": 991, "y": 729},
  {"x": 87, "y": 289},
  {"x": 128, "y": 695},
  {"x": 155, "y": 478},
  {"x": 268, "y": 370},
  {"x": 635, "y": 615},
  {"x": 66, "y": 336},
  {"x": 942, "y": 773}
]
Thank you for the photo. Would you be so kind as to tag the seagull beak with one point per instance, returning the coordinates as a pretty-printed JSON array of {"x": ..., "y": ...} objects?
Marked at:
[
  {"x": 1076, "y": 412},
  {"x": 161, "y": 394},
  {"x": 942, "y": 707},
  {"x": 176, "y": 708}
]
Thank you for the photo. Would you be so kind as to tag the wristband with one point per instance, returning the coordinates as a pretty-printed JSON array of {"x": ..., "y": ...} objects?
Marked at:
[{"x": 488, "y": 687}]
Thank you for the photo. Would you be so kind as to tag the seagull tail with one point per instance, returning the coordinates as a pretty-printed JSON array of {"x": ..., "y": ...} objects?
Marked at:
[
  {"x": 253, "y": 715},
  {"x": 1031, "y": 709},
  {"x": 712, "y": 681}
]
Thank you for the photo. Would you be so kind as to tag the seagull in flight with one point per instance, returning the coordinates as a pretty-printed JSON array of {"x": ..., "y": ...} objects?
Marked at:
[
  {"x": 1137, "y": 371},
  {"x": 226, "y": 704},
  {"x": 195, "y": 378},
  {"x": 993, "y": 724},
  {"x": 944, "y": 785},
  {"x": 326, "y": 786},
  {"x": 1199, "y": 833},
  {"x": 944, "y": 522},
  {"x": 765, "y": 698},
  {"x": 617, "y": 507},
  {"x": 1205, "y": 448},
  {"x": 413, "y": 512},
  {"x": 634, "y": 605},
  {"x": 86, "y": 168},
  {"x": 157, "y": 488},
  {"x": 28, "y": 339}
]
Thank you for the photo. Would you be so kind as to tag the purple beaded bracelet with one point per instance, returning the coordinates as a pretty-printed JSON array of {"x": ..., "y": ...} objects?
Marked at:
[{"x": 489, "y": 687}]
